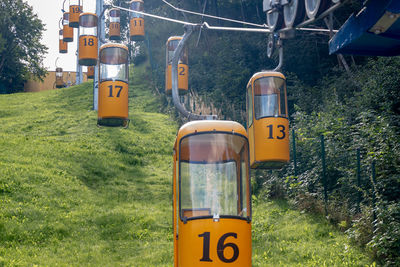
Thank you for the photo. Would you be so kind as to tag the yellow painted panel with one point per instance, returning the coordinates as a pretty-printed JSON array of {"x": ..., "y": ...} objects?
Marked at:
[
  {"x": 205, "y": 242},
  {"x": 113, "y": 100},
  {"x": 271, "y": 142},
  {"x": 183, "y": 79},
  {"x": 136, "y": 29},
  {"x": 88, "y": 50}
]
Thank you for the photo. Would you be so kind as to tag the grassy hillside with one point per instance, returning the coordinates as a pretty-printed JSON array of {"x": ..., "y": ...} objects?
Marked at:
[{"x": 73, "y": 194}]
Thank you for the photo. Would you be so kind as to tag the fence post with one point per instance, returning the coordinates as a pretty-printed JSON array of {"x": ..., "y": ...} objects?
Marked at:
[
  {"x": 324, "y": 173},
  {"x": 373, "y": 174},
  {"x": 294, "y": 152},
  {"x": 358, "y": 180}
]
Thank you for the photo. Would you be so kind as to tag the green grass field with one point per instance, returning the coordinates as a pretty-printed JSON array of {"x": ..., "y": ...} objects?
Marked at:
[{"x": 73, "y": 194}]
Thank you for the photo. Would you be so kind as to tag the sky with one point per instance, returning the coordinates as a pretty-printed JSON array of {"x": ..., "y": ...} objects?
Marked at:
[{"x": 49, "y": 12}]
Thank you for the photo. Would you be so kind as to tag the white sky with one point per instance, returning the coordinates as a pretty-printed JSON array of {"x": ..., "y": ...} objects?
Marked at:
[{"x": 49, "y": 12}]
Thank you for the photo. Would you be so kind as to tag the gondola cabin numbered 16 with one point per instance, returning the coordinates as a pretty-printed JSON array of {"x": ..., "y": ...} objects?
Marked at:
[
  {"x": 211, "y": 195},
  {"x": 183, "y": 67},
  {"x": 267, "y": 120}
]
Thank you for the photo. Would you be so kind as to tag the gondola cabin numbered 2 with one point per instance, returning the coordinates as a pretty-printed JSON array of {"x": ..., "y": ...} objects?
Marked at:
[
  {"x": 212, "y": 195},
  {"x": 267, "y": 120},
  {"x": 183, "y": 67}
]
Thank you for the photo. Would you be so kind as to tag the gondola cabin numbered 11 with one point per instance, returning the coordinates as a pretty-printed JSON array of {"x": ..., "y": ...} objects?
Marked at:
[
  {"x": 211, "y": 195},
  {"x": 267, "y": 120},
  {"x": 136, "y": 23}
]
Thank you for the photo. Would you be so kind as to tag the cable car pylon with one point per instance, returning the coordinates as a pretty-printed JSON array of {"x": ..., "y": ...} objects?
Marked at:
[{"x": 174, "y": 78}]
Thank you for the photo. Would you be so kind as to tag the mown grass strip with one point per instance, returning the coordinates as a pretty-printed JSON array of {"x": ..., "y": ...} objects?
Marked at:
[{"x": 73, "y": 194}]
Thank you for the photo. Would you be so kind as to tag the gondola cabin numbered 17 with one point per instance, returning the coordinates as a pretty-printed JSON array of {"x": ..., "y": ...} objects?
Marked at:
[
  {"x": 267, "y": 120},
  {"x": 211, "y": 195},
  {"x": 113, "y": 89}
]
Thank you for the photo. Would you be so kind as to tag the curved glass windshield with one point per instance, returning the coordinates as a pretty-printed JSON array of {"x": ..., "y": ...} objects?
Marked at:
[
  {"x": 269, "y": 97},
  {"x": 114, "y": 13},
  {"x": 88, "y": 25},
  {"x": 66, "y": 18},
  {"x": 214, "y": 176},
  {"x": 137, "y": 6},
  {"x": 171, "y": 46},
  {"x": 114, "y": 64}
]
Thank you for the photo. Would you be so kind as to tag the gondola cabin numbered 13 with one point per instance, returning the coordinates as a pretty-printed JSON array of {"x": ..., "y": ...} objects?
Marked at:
[
  {"x": 211, "y": 195},
  {"x": 267, "y": 120}
]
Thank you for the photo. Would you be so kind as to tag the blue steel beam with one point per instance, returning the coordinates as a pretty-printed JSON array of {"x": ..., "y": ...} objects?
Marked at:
[{"x": 356, "y": 36}]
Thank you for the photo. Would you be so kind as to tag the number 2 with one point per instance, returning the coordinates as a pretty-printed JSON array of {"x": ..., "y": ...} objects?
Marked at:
[{"x": 181, "y": 71}]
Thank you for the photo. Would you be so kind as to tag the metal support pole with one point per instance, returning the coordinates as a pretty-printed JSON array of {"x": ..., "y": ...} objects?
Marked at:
[
  {"x": 324, "y": 173},
  {"x": 279, "y": 44},
  {"x": 99, "y": 11},
  {"x": 358, "y": 180},
  {"x": 373, "y": 176},
  {"x": 174, "y": 77},
  {"x": 294, "y": 152},
  {"x": 79, "y": 76}
]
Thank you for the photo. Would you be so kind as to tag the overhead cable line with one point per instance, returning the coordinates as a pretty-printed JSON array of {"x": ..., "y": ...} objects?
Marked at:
[
  {"x": 204, "y": 25},
  {"x": 215, "y": 17},
  {"x": 154, "y": 16}
]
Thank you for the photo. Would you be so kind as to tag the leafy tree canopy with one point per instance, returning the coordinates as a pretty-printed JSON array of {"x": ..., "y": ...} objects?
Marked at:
[{"x": 21, "y": 53}]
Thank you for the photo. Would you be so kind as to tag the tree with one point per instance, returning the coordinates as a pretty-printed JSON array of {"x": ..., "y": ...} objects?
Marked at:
[{"x": 21, "y": 53}]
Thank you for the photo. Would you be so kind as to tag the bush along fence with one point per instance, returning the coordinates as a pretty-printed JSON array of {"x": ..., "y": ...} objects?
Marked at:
[{"x": 344, "y": 185}]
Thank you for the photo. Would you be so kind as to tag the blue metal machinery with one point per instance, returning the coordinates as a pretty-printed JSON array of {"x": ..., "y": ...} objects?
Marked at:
[{"x": 374, "y": 31}]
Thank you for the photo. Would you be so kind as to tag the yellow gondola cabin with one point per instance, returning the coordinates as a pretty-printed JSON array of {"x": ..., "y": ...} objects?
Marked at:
[
  {"x": 136, "y": 25},
  {"x": 183, "y": 67},
  {"x": 59, "y": 78},
  {"x": 88, "y": 42},
  {"x": 75, "y": 9},
  {"x": 113, "y": 89},
  {"x": 90, "y": 72},
  {"x": 68, "y": 32},
  {"x": 267, "y": 120},
  {"x": 211, "y": 195},
  {"x": 62, "y": 45},
  {"x": 114, "y": 30}
]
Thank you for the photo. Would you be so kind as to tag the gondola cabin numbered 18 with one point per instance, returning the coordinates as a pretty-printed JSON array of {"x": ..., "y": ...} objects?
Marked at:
[
  {"x": 88, "y": 43},
  {"x": 183, "y": 67},
  {"x": 211, "y": 195},
  {"x": 267, "y": 120}
]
